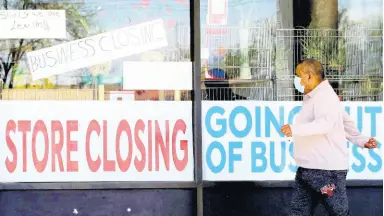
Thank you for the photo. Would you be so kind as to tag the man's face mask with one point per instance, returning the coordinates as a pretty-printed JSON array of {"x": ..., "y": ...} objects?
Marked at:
[{"x": 298, "y": 85}]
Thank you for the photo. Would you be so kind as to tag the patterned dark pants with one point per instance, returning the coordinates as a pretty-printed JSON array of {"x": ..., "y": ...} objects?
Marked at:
[{"x": 326, "y": 186}]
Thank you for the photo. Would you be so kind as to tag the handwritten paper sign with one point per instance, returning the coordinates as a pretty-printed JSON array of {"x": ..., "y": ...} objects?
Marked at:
[
  {"x": 31, "y": 24},
  {"x": 97, "y": 49}
]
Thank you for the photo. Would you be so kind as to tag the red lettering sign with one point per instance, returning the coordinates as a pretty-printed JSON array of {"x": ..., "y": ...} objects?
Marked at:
[{"x": 60, "y": 145}]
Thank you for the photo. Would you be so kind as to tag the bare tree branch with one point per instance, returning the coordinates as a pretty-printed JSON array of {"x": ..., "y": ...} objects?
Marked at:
[
  {"x": 9, "y": 57},
  {"x": 18, "y": 56},
  {"x": 77, "y": 27},
  {"x": 2, "y": 63}
]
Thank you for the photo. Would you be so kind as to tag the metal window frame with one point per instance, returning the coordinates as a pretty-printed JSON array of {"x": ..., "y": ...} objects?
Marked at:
[
  {"x": 157, "y": 185},
  {"x": 195, "y": 24}
]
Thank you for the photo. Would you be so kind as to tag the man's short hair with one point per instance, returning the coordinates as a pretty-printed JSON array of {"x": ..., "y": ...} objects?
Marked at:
[{"x": 313, "y": 67}]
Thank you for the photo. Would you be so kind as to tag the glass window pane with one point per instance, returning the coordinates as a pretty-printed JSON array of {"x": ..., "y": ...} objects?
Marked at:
[
  {"x": 238, "y": 48},
  {"x": 250, "y": 49},
  {"x": 86, "y": 59}
]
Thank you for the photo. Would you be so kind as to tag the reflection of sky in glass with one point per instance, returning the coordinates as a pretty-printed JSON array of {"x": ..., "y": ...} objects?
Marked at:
[
  {"x": 114, "y": 14},
  {"x": 118, "y": 13},
  {"x": 261, "y": 10},
  {"x": 363, "y": 9}
]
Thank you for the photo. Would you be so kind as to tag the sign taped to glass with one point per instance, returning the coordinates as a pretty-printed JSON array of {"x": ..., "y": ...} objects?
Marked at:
[
  {"x": 126, "y": 141},
  {"x": 242, "y": 141},
  {"x": 97, "y": 49},
  {"x": 30, "y": 24}
]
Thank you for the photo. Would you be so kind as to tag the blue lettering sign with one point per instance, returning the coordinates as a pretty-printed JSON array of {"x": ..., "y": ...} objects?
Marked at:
[
  {"x": 233, "y": 157},
  {"x": 244, "y": 111},
  {"x": 258, "y": 157},
  {"x": 221, "y": 122},
  {"x": 278, "y": 168},
  {"x": 223, "y": 158},
  {"x": 261, "y": 123}
]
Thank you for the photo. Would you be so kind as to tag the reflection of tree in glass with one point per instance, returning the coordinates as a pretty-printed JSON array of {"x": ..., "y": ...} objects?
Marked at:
[
  {"x": 346, "y": 48},
  {"x": 320, "y": 41},
  {"x": 13, "y": 51}
]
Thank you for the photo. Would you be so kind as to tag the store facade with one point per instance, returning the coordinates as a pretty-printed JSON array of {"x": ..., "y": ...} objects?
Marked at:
[{"x": 174, "y": 107}]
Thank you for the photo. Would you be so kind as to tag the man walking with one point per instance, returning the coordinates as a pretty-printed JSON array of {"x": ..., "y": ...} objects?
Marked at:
[{"x": 320, "y": 149}]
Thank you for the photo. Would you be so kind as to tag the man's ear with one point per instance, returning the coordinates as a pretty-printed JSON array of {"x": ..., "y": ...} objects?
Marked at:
[{"x": 304, "y": 76}]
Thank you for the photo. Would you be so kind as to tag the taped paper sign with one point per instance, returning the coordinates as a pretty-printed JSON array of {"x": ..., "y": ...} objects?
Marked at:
[
  {"x": 146, "y": 75},
  {"x": 30, "y": 24},
  {"x": 79, "y": 141},
  {"x": 242, "y": 141},
  {"x": 97, "y": 49}
]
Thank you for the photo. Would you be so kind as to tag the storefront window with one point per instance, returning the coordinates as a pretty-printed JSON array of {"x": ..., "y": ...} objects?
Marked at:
[
  {"x": 238, "y": 42},
  {"x": 65, "y": 67},
  {"x": 250, "y": 48},
  {"x": 76, "y": 49}
]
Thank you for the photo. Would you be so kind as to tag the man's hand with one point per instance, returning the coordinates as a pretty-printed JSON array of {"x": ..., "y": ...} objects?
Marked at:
[
  {"x": 286, "y": 130},
  {"x": 371, "y": 144}
]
